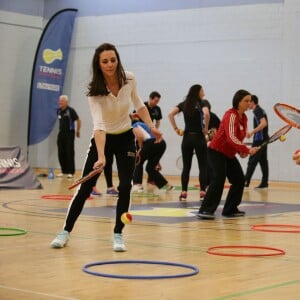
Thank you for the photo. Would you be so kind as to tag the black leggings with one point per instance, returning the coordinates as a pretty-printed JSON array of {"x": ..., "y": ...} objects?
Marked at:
[
  {"x": 123, "y": 147},
  {"x": 194, "y": 142}
]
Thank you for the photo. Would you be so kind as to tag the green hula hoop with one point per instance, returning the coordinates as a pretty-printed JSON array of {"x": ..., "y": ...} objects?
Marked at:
[{"x": 17, "y": 231}]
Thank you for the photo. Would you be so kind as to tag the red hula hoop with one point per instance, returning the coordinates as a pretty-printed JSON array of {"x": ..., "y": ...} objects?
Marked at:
[
  {"x": 264, "y": 227},
  {"x": 275, "y": 252}
]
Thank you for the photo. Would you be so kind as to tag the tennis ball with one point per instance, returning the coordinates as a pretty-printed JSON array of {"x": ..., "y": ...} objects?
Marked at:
[
  {"x": 282, "y": 138},
  {"x": 126, "y": 218}
]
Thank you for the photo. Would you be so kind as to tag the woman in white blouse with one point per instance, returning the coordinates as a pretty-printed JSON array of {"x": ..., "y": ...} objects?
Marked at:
[{"x": 111, "y": 93}]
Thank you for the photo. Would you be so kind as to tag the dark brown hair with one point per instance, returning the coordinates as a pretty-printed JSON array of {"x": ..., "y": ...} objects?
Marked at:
[{"x": 97, "y": 86}]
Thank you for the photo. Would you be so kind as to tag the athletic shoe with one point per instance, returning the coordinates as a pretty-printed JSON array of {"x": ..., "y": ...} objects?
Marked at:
[
  {"x": 70, "y": 175},
  {"x": 183, "y": 196},
  {"x": 112, "y": 192},
  {"x": 95, "y": 192},
  {"x": 118, "y": 243},
  {"x": 202, "y": 194},
  {"x": 61, "y": 239},
  {"x": 236, "y": 214},
  {"x": 262, "y": 186},
  {"x": 205, "y": 215},
  {"x": 60, "y": 175},
  {"x": 137, "y": 188},
  {"x": 169, "y": 187}
]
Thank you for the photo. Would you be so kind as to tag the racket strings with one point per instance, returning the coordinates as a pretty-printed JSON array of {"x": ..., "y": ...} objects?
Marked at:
[{"x": 288, "y": 113}]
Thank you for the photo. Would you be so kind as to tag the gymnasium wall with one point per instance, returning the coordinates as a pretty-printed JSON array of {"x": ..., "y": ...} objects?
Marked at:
[{"x": 169, "y": 45}]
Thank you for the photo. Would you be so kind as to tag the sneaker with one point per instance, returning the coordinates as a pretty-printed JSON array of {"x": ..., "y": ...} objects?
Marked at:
[
  {"x": 205, "y": 215},
  {"x": 70, "y": 176},
  {"x": 169, "y": 187},
  {"x": 183, "y": 196},
  {"x": 112, "y": 192},
  {"x": 202, "y": 194},
  {"x": 61, "y": 239},
  {"x": 262, "y": 186},
  {"x": 95, "y": 192},
  {"x": 118, "y": 243},
  {"x": 137, "y": 188},
  {"x": 236, "y": 214},
  {"x": 60, "y": 175}
]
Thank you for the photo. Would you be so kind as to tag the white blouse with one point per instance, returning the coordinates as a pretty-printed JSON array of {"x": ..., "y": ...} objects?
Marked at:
[{"x": 110, "y": 113}]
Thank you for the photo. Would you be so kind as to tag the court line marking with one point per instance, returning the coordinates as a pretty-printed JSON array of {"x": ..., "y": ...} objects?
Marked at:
[
  {"x": 254, "y": 291},
  {"x": 37, "y": 293}
]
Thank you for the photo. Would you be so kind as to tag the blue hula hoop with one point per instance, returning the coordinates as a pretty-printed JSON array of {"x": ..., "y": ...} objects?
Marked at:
[{"x": 194, "y": 269}]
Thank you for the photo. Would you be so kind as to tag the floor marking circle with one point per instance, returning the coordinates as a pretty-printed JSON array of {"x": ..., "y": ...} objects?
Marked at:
[{"x": 60, "y": 197}]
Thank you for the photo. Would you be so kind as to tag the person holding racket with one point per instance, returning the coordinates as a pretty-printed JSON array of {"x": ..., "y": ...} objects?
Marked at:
[
  {"x": 260, "y": 135},
  {"x": 111, "y": 93},
  {"x": 196, "y": 119},
  {"x": 296, "y": 157},
  {"x": 290, "y": 115},
  {"x": 151, "y": 151},
  {"x": 222, "y": 151}
]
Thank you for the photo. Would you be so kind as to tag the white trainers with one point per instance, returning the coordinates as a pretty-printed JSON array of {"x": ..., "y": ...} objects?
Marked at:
[
  {"x": 169, "y": 187},
  {"x": 118, "y": 243},
  {"x": 137, "y": 188},
  {"x": 70, "y": 175},
  {"x": 61, "y": 239},
  {"x": 60, "y": 175}
]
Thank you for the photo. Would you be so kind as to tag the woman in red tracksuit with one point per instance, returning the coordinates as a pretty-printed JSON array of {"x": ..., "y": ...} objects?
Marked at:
[{"x": 227, "y": 142}]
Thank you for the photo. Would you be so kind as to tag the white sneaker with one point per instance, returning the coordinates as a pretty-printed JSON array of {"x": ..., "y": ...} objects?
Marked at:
[
  {"x": 169, "y": 187},
  {"x": 118, "y": 243},
  {"x": 137, "y": 188},
  {"x": 60, "y": 175},
  {"x": 70, "y": 175},
  {"x": 61, "y": 239}
]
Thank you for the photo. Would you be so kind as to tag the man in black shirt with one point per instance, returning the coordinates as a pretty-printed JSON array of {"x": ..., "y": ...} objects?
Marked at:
[
  {"x": 260, "y": 135},
  {"x": 67, "y": 117}
]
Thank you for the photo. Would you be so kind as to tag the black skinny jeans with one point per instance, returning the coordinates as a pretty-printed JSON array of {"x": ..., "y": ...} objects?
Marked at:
[
  {"x": 194, "y": 142},
  {"x": 123, "y": 147},
  {"x": 223, "y": 167}
]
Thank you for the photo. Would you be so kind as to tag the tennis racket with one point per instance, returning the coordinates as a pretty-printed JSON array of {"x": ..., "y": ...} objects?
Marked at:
[
  {"x": 282, "y": 131},
  {"x": 288, "y": 114},
  {"x": 86, "y": 177}
]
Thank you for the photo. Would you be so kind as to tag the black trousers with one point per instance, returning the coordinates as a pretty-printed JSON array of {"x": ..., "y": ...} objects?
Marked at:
[
  {"x": 223, "y": 167},
  {"x": 152, "y": 153},
  {"x": 123, "y": 147},
  {"x": 66, "y": 152},
  {"x": 261, "y": 158},
  {"x": 194, "y": 143}
]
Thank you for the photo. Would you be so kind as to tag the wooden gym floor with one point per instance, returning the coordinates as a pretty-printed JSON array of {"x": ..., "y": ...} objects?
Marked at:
[{"x": 163, "y": 230}]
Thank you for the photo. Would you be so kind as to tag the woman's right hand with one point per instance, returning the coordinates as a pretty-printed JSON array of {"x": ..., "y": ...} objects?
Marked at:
[{"x": 100, "y": 163}]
